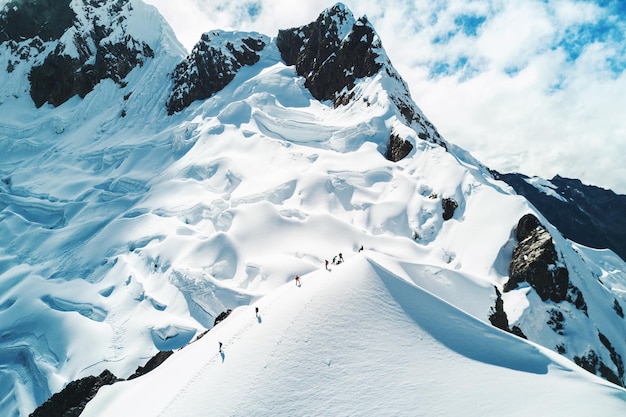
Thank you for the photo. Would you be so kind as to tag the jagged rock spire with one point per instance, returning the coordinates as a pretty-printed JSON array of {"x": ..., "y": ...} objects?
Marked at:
[
  {"x": 332, "y": 52},
  {"x": 212, "y": 64}
]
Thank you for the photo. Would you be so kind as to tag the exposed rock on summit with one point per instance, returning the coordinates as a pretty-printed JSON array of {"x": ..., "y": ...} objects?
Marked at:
[
  {"x": 46, "y": 19},
  {"x": 332, "y": 52},
  {"x": 72, "y": 45},
  {"x": 91, "y": 55},
  {"x": 212, "y": 64}
]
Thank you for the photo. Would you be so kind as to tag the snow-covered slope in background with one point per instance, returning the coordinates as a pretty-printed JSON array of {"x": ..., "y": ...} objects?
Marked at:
[{"x": 127, "y": 231}]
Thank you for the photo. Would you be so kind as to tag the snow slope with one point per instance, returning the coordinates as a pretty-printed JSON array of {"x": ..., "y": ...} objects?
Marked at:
[
  {"x": 360, "y": 340},
  {"x": 127, "y": 235}
]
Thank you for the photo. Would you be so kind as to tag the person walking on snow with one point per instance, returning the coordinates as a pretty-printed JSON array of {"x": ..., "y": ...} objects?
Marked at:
[
  {"x": 220, "y": 346},
  {"x": 297, "y": 280},
  {"x": 326, "y": 264},
  {"x": 340, "y": 258},
  {"x": 256, "y": 309}
]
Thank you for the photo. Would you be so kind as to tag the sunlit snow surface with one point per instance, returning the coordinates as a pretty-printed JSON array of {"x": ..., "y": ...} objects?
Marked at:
[
  {"x": 122, "y": 236},
  {"x": 360, "y": 340}
]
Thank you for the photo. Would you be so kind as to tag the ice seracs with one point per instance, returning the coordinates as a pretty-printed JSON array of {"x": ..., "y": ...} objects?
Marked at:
[{"x": 127, "y": 230}]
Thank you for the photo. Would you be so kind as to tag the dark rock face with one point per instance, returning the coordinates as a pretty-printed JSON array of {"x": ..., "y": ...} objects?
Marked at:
[
  {"x": 334, "y": 52},
  {"x": 585, "y": 214},
  {"x": 212, "y": 64},
  {"x": 618, "y": 308},
  {"x": 592, "y": 363},
  {"x": 535, "y": 261},
  {"x": 222, "y": 316},
  {"x": 398, "y": 148},
  {"x": 449, "y": 207},
  {"x": 154, "y": 362},
  {"x": 71, "y": 401},
  {"x": 526, "y": 226},
  {"x": 98, "y": 48},
  {"x": 46, "y": 19},
  {"x": 329, "y": 61},
  {"x": 498, "y": 317},
  {"x": 616, "y": 358},
  {"x": 61, "y": 76},
  {"x": 556, "y": 321}
]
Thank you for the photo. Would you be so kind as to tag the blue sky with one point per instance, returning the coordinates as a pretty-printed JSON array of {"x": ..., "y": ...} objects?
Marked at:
[{"x": 534, "y": 86}]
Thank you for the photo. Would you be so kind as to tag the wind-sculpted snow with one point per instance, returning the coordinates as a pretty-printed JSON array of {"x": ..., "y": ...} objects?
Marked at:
[
  {"x": 359, "y": 340},
  {"x": 125, "y": 231}
]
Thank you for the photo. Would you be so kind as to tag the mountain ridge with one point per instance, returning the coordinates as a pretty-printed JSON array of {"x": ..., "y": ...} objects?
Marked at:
[
  {"x": 138, "y": 228},
  {"x": 585, "y": 214}
]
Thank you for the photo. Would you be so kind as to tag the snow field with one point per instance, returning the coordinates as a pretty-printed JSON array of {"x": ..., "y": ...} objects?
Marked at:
[
  {"x": 126, "y": 235},
  {"x": 359, "y": 340}
]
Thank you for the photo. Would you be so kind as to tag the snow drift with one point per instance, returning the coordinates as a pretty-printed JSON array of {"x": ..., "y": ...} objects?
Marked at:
[{"x": 127, "y": 230}]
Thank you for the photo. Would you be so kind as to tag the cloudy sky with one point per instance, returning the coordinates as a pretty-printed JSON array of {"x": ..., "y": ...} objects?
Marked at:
[{"x": 532, "y": 86}]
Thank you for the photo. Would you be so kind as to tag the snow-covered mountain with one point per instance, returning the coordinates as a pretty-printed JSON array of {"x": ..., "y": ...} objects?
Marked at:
[
  {"x": 145, "y": 190},
  {"x": 587, "y": 214}
]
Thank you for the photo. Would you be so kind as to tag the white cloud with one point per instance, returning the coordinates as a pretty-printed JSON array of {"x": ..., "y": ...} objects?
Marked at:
[{"x": 550, "y": 114}]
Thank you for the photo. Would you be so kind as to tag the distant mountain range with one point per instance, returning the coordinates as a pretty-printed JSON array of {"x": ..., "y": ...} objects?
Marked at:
[{"x": 586, "y": 214}]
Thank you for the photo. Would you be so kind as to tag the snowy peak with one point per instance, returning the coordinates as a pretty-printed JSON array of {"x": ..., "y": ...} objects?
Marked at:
[
  {"x": 66, "y": 48},
  {"x": 212, "y": 64},
  {"x": 332, "y": 52},
  {"x": 45, "y": 19},
  {"x": 336, "y": 54}
]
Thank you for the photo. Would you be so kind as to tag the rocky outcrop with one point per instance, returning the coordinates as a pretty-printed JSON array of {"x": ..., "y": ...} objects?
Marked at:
[
  {"x": 153, "y": 363},
  {"x": 332, "y": 52},
  {"x": 222, "y": 316},
  {"x": 499, "y": 319},
  {"x": 536, "y": 262},
  {"x": 84, "y": 42},
  {"x": 583, "y": 213},
  {"x": 43, "y": 19},
  {"x": 398, "y": 148},
  {"x": 101, "y": 51},
  {"x": 211, "y": 65},
  {"x": 449, "y": 206},
  {"x": 592, "y": 363},
  {"x": 71, "y": 401}
]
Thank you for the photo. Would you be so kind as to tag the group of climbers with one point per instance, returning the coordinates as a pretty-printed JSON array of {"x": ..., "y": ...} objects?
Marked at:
[{"x": 338, "y": 259}]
